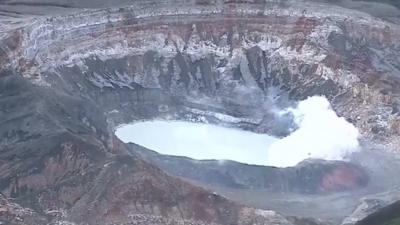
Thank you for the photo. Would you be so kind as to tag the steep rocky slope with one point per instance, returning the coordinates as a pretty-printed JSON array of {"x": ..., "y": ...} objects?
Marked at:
[
  {"x": 308, "y": 177},
  {"x": 229, "y": 50},
  {"x": 69, "y": 78},
  {"x": 55, "y": 159}
]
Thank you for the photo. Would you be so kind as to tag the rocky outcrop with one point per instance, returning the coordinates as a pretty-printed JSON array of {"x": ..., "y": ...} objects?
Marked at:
[
  {"x": 379, "y": 208},
  {"x": 308, "y": 177},
  {"x": 387, "y": 215},
  {"x": 13, "y": 214}
]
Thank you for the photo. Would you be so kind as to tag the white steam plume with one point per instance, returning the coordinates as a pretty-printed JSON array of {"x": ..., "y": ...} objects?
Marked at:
[{"x": 320, "y": 134}]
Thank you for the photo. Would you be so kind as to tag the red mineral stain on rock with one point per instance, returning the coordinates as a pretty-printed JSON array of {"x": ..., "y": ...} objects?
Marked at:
[{"x": 344, "y": 177}]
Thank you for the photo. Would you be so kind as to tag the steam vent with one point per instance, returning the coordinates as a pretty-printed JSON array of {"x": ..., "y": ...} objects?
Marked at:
[{"x": 199, "y": 112}]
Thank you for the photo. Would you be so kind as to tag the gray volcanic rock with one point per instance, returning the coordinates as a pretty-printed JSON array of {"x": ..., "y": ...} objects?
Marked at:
[
  {"x": 58, "y": 157},
  {"x": 308, "y": 177},
  {"x": 63, "y": 167},
  {"x": 218, "y": 59},
  {"x": 329, "y": 189},
  {"x": 387, "y": 215},
  {"x": 379, "y": 208},
  {"x": 69, "y": 75},
  {"x": 12, "y": 214}
]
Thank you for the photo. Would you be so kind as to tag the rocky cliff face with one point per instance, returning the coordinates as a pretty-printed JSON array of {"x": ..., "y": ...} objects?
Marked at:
[
  {"x": 221, "y": 53},
  {"x": 67, "y": 79},
  {"x": 57, "y": 161}
]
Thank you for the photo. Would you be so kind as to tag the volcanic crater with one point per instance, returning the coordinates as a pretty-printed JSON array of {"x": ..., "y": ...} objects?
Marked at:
[{"x": 73, "y": 72}]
